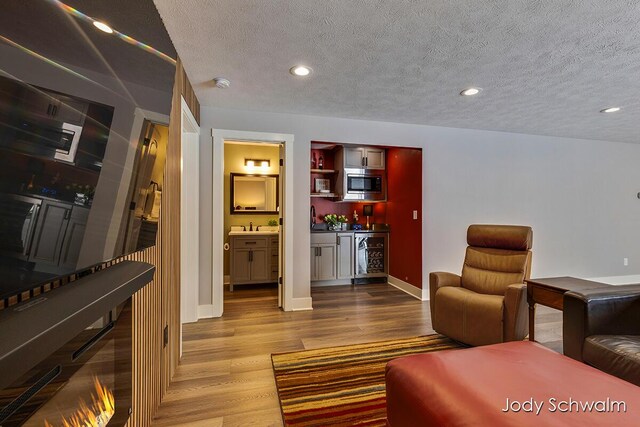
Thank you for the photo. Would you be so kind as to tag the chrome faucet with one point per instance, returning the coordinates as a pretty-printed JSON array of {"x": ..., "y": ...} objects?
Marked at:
[{"x": 313, "y": 216}]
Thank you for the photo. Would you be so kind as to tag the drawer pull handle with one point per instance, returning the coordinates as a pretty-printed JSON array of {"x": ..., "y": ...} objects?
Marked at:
[{"x": 250, "y": 243}]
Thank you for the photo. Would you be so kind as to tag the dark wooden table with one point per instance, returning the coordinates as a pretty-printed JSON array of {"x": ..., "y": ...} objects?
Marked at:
[{"x": 550, "y": 292}]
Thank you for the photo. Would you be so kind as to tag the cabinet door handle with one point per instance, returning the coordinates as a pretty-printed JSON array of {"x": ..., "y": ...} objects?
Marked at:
[
  {"x": 366, "y": 161},
  {"x": 49, "y": 108},
  {"x": 67, "y": 214},
  {"x": 362, "y": 161},
  {"x": 320, "y": 250},
  {"x": 337, "y": 239},
  {"x": 55, "y": 110},
  {"x": 250, "y": 243}
]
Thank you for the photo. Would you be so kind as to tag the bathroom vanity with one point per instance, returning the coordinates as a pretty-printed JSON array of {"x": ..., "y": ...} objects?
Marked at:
[{"x": 254, "y": 257}]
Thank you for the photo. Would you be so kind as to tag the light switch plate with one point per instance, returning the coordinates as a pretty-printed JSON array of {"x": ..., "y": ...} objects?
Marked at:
[{"x": 415, "y": 214}]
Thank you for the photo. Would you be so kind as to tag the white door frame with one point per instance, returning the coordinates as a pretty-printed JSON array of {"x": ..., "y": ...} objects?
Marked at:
[
  {"x": 189, "y": 216},
  {"x": 217, "y": 186}
]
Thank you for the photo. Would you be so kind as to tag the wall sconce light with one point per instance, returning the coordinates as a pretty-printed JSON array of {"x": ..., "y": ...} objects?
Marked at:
[
  {"x": 252, "y": 163},
  {"x": 367, "y": 210}
]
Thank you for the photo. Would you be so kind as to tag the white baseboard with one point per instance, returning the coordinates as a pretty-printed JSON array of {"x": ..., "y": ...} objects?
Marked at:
[
  {"x": 405, "y": 287},
  {"x": 617, "y": 280},
  {"x": 206, "y": 311},
  {"x": 301, "y": 304},
  {"x": 341, "y": 282}
]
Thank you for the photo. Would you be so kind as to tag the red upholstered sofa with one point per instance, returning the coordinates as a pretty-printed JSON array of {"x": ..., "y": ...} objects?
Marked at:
[{"x": 511, "y": 384}]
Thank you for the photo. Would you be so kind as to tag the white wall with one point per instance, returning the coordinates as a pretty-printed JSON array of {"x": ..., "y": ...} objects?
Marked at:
[{"x": 578, "y": 195}]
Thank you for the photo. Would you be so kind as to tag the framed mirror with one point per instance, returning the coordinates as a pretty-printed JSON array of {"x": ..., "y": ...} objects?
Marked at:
[{"x": 254, "y": 194}]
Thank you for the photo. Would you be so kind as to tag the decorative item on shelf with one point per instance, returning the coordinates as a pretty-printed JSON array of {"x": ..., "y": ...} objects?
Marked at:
[
  {"x": 355, "y": 217},
  {"x": 343, "y": 220},
  {"x": 313, "y": 160},
  {"x": 321, "y": 162},
  {"x": 323, "y": 185},
  {"x": 367, "y": 210}
]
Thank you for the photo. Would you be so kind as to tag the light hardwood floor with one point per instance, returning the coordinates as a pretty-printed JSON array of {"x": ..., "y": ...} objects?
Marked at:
[{"x": 225, "y": 377}]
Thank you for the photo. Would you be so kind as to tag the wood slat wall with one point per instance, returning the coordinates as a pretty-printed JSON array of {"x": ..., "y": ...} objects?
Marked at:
[{"x": 158, "y": 304}]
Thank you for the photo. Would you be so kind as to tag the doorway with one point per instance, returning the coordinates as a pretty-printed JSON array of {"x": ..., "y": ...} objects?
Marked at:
[
  {"x": 252, "y": 222},
  {"x": 252, "y": 240}
]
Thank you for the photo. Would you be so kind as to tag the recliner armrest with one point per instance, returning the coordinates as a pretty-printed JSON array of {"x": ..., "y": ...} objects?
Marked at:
[
  {"x": 516, "y": 319},
  {"x": 437, "y": 280},
  {"x": 604, "y": 311}
]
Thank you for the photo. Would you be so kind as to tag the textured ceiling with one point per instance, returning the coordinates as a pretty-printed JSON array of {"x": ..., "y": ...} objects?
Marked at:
[
  {"x": 41, "y": 26},
  {"x": 547, "y": 67}
]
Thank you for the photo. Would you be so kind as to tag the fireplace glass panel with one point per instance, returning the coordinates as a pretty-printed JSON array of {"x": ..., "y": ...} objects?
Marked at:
[{"x": 86, "y": 382}]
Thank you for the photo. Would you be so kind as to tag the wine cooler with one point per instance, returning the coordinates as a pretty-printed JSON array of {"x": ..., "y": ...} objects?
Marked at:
[{"x": 372, "y": 254}]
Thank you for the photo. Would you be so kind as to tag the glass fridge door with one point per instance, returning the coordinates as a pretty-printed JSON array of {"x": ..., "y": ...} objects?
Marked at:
[
  {"x": 371, "y": 256},
  {"x": 19, "y": 215}
]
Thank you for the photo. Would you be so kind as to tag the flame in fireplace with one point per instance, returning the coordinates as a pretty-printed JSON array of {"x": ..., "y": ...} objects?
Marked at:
[{"x": 97, "y": 414}]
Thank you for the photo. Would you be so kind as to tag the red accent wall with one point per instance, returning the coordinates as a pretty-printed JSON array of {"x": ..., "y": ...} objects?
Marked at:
[
  {"x": 404, "y": 195},
  {"x": 327, "y": 206}
]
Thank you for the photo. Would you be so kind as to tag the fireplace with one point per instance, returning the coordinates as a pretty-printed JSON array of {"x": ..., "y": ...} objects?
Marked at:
[
  {"x": 66, "y": 357},
  {"x": 86, "y": 382}
]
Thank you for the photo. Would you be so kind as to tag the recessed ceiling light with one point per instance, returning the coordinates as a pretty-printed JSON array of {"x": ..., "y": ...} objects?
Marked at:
[
  {"x": 221, "y": 82},
  {"x": 300, "y": 70},
  {"x": 102, "y": 27},
  {"x": 471, "y": 91},
  {"x": 610, "y": 110}
]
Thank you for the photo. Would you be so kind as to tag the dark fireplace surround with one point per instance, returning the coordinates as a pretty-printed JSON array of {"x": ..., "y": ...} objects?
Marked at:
[{"x": 68, "y": 352}]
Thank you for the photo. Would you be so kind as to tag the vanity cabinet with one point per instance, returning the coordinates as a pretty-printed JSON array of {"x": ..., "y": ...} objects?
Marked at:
[
  {"x": 364, "y": 157},
  {"x": 275, "y": 257},
  {"x": 252, "y": 260}
]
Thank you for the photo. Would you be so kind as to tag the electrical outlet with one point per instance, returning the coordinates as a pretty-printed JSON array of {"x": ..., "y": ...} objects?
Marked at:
[
  {"x": 415, "y": 214},
  {"x": 625, "y": 261}
]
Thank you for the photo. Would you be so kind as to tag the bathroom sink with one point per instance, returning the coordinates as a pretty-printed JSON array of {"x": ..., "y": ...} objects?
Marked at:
[
  {"x": 263, "y": 230},
  {"x": 237, "y": 233}
]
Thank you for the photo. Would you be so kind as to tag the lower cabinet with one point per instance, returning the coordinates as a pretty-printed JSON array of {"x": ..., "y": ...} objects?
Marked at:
[
  {"x": 73, "y": 237},
  {"x": 323, "y": 261},
  {"x": 344, "y": 256},
  {"x": 50, "y": 231},
  {"x": 252, "y": 260},
  {"x": 332, "y": 256},
  {"x": 59, "y": 233}
]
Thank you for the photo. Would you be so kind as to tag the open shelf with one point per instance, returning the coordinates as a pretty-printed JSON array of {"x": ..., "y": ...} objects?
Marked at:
[
  {"x": 323, "y": 171},
  {"x": 327, "y": 195}
]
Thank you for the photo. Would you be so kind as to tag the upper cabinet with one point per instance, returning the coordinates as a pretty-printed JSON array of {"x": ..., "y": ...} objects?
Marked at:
[
  {"x": 364, "y": 157},
  {"x": 51, "y": 125},
  {"x": 54, "y": 107}
]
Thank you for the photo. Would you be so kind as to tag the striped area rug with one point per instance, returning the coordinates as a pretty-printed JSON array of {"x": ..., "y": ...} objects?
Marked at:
[{"x": 342, "y": 386}]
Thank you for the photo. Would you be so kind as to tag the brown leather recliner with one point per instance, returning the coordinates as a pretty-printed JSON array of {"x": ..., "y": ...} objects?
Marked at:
[{"x": 487, "y": 304}]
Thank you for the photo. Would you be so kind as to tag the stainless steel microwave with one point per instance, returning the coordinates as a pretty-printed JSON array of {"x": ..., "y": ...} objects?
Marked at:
[{"x": 364, "y": 185}]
